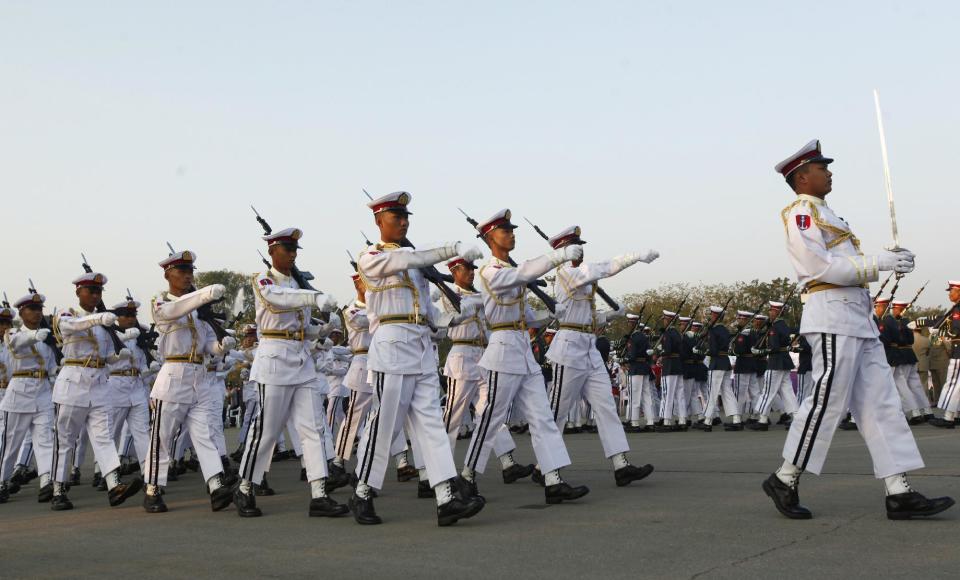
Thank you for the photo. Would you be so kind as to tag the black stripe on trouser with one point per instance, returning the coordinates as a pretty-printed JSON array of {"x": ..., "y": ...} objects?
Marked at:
[
  {"x": 3, "y": 437},
  {"x": 250, "y": 457},
  {"x": 373, "y": 432},
  {"x": 155, "y": 446},
  {"x": 474, "y": 456},
  {"x": 664, "y": 396},
  {"x": 56, "y": 441},
  {"x": 345, "y": 427},
  {"x": 765, "y": 393},
  {"x": 448, "y": 408},
  {"x": 829, "y": 360},
  {"x": 558, "y": 372}
]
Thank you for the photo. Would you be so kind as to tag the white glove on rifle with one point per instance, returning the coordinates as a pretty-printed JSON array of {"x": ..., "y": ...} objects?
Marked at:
[
  {"x": 900, "y": 261},
  {"x": 217, "y": 291},
  {"x": 469, "y": 253},
  {"x": 39, "y": 335},
  {"x": 228, "y": 343},
  {"x": 326, "y": 303},
  {"x": 572, "y": 253},
  {"x": 106, "y": 318}
]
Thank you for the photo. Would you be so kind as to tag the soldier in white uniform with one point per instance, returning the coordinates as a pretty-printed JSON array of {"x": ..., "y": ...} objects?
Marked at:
[
  {"x": 850, "y": 369},
  {"x": 285, "y": 372},
  {"x": 127, "y": 391},
  {"x": 513, "y": 376},
  {"x": 81, "y": 393},
  {"x": 244, "y": 359},
  {"x": 179, "y": 387},
  {"x": 468, "y": 333},
  {"x": 402, "y": 366},
  {"x": 361, "y": 393},
  {"x": 27, "y": 405},
  {"x": 578, "y": 370}
]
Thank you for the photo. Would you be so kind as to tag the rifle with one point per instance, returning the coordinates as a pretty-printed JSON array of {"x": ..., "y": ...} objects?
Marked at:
[
  {"x": 301, "y": 278},
  {"x": 534, "y": 287},
  {"x": 600, "y": 291},
  {"x": 893, "y": 293},
  {"x": 112, "y": 331},
  {"x": 622, "y": 347},
  {"x": 147, "y": 339},
  {"x": 353, "y": 261},
  {"x": 51, "y": 340},
  {"x": 917, "y": 295},
  {"x": 264, "y": 259},
  {"x": 769, "y": 323},
  {"x": 430, "y": 273},
  {"x": 882, "y": 286},
  {"x": 205, "y": 312}
]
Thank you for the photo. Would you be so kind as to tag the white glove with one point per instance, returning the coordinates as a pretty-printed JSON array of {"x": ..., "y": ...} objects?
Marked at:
[
  {"x": 647, "y": 256},
  {"x": 217, "y": 291},
  {"x": 434, "y": 295},
  {"x": 572, "y": 253},
  {"x": 124, "y": 353},
  {"x": 106, "y": 318},
  {"x": 900, "y": 261},
  {"x": 155, "y": 366},
  {"x": 469, "y": 253},
  {"x": 698, "y": 351},
  {"x": 228, "y": 343},
  {"x": 326, "y": 303},
  {"x": 131, "y": 334},
  {"x": 39, "y": 335},
  {"x": 649, "y": 352}
]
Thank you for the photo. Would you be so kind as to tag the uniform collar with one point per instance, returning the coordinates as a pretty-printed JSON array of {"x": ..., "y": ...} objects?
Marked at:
[
  {"x": 359, "y": 304},
  {"x": 495, "y": 261},
  {"x": 84, "y": 312},
  {"x": 811, "y": 199},
  {"x": 464, "y": 291},
  {"x": 278, "y": 277}
]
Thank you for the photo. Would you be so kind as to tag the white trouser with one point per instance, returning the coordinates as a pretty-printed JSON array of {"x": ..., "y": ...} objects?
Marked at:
[
  {"x": 183, "y": 441},
  {"x": 168, "y": 420},
  {"x": 776, "y": 382},
  {"x": 214, "y": 408},
  {"x": 80, "y": 453},
  {"x": 851, "y": 373},
  {"x": 804, "y": 381},
  {"x": 26, "y": 448},
  {"x": 642, "y": 393},
  {"x": 320, "y": 406},
  {"x": 125, "y": 446},
  {"x": 278, "y": 404},
  {"x": 14, "y": 428},
  {"x": 908, "y": 376},
  {"x": 720, "y": 386},
  {"x": 907, "y": 401},
  {"x": 571, "y": 386},
  {"x": 334, "y": 413},
  {"x": 695, "y": 401},
  {"x": 413, "y": 399},
  {"x": 950, "y": 394},
  {"x": 291, "y": 427},
  {"x": 358, "y": 407},
  {"x": 527, "y": 394},
  {"x": 460, "y": 393},
  {"x": 502, "y": 439},
  {"x": 70, "y": 421},
  {"x": 673, "y": 398},
  {"x": 249, "y": 412},
  {"x": 744, "y": 384},
  {"x": 137, "y": 419}
]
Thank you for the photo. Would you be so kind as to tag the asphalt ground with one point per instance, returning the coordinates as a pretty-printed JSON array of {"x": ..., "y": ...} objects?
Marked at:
[{"x": 702, "y": 514}]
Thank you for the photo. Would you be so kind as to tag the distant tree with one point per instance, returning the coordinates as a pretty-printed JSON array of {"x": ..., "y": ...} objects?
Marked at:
[{"x": 234, "y": 282}]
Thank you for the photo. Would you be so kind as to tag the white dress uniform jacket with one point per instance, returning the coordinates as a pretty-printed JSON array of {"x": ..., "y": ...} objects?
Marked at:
[
  {"x": 358, "y": 337},
  {"x": 28, "y": 394},
  {"x": 87, "y": 344},
  {"x": 126, "y": 386},
  {"x": 283, "y": 323},
  {"x": 468, "y": 332},
  {"x": 829, "y": 262}
]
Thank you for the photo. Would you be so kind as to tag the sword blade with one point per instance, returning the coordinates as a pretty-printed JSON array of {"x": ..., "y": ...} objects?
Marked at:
[{"x": 886, "y": 171}]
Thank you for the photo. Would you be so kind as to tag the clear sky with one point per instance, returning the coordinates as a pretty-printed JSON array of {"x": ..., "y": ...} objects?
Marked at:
[{"x": 649, "y": 124}]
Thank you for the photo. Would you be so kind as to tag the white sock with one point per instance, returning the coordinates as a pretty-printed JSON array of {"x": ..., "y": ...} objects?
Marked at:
[
  {"x": 152, "y": 489},
  {"x": 443, "y": 492},
  {"x": 949, "y": 415},
  {"x": 363, "y": 490},
  {"x": 736, "y": 419},
  {"x": 789, "y": 473},
  {"x": 507, "y": 461},
  {"x": 634, "y": 423},
  {"x": 552, "y": 477},
  {"x": 897, "y": 484},
  {"x": 926, "y": 411},
  {"x": 113, "y": 479},
  {"x": 915, "y": 413},
  {"x": 764, "y": 419},
  {"x": 620, "y": 460},
  {"x": 44, "y": 479},
  {"x": 214, "y": 483},
  {"x": 668, "y": 421},
  {"x": 59, "y": 488},
  {"x": 318, "y": 488},
  {"x": 468, "y": 474},
  {"x": 682, "y": 421},
  {"x": 401, "y": 459},
  {"x": 338, "y": 461},
  {"x": 245, "y": 487},
  {"x": 422, "y": 475}
]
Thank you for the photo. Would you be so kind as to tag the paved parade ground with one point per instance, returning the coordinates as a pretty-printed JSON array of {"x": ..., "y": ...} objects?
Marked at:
[{"x": 702, "y": 514}]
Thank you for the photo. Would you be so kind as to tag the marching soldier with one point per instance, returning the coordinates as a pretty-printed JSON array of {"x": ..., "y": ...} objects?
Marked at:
[
  {"x": 671, "y": 375},
  {"x": 177, "y": 392},
  {"x": 718, "y": 377},
  {"x": 579, "y": 369},
  {"x": 889, "y": 330},
  {"x": 27, "y": 406},
  {"x": 759, "y": 322},
  {"x": 945, "y": 330},
  {"x": 776, "y": 379},
  {"x": 361, "y": 393},
  {"x": 126, "y": 388},
  {"x": 804, "y": 378},
  {"x": 700, "y": 374},
  {"x": 641, "y": 383},
  {"x": 906, "y": 372},
  {"x": 81, "y": 393},
  {"x": 745, "y": 367},
  {"x": 285, "y": 372},
  {"x": 849, "y": 366},
  {"x": 402, "y": 364},
  {"x": 513, "y": 375},
  {"x": 243, "y": 359},
  {"x": 468, "y": 332}
]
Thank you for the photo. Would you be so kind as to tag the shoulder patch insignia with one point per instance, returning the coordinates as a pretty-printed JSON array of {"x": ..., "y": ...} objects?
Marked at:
[
  {"x": 266, "y": 281},
  {"x": 803, "y": 221}
]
